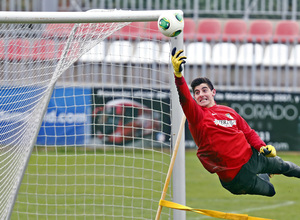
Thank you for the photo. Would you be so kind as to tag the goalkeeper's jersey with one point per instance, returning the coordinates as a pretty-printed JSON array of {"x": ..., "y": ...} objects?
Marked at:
[{"x": 223, "y": 137}]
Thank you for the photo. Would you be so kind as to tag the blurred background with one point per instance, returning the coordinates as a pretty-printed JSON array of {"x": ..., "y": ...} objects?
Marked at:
[{"x": 248, "y": 48}]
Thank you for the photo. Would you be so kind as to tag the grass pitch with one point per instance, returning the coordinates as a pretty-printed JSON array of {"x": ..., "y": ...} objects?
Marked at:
[
  {"x": 82, "y": 184},
  {"x": 203, "y": 190}
]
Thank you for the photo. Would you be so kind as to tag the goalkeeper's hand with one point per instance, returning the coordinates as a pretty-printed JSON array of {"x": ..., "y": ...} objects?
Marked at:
[
  {"x": 177, "y": 62},
  {"x": 268, "y": 151}
]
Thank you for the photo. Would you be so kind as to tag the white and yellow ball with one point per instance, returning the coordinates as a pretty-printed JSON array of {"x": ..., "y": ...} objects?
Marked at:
[{"x": 171, "y": 24}]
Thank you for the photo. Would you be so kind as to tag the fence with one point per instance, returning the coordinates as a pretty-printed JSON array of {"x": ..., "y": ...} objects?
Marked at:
[
  {"x": 235, "y": 57},
  {"x": 267, "y": 9},
  {"x": 258, "y": 55}
]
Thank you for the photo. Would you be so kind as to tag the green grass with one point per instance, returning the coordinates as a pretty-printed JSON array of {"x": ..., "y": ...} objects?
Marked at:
[
  {"x": 100, "y": 194},
  {"x": 71, "y": 183}
]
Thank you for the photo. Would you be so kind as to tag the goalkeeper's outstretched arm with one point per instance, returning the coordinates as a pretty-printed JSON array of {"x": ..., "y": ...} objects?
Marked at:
[{"x": 187, "y": 102}]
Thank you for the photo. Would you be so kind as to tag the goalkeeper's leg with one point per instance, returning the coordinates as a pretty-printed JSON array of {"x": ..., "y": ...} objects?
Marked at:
[
  {"x": 248, "y": 182},
  {"x": 290, "y": 169},
  {"x": 275, "y": 165},
  {"x": 252, "y": 178},
  {"x": 293, "y": 170},
  {"x": 262, "y": 186}
]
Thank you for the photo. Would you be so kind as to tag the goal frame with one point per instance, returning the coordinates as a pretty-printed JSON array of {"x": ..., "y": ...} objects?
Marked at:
[{"x": 123, "y": 16}]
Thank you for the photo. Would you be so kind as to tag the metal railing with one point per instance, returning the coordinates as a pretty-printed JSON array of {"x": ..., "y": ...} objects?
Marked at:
[
  {"x": 267, "y": 9},
  {"x": 234, "y": 76}
]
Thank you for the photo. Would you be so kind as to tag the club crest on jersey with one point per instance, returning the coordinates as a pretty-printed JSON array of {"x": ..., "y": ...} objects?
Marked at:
[
  {"x": 225, "y": 123},
  {"x": 229, "y": 116}
]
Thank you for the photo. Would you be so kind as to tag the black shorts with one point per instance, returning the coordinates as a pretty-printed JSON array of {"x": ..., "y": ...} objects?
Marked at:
[{"x": 247, "y": 181}]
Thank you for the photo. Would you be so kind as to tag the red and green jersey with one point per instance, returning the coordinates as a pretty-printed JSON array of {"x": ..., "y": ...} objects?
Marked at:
[{"x": 223, "y": 137}]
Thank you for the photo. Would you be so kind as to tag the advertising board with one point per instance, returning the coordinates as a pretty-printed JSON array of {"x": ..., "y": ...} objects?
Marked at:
[
  {"x": 66, "y": 119},
  {"x": 274, "y": 116},
  {"x": 125, "y": 116},
  {"x": 76, "y": 114}
]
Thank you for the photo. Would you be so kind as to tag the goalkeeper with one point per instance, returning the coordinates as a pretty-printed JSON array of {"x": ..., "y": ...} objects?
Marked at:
[{"x": 226, "y": 144}]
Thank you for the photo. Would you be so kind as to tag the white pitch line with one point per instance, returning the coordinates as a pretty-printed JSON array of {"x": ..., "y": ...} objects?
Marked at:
[
  {"x": 267, "y": 207},
  {"x": 253, "y": 209}
]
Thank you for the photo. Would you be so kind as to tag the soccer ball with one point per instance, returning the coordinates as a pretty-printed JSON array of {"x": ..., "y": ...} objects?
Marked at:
[{"x": 171, "y": 24}]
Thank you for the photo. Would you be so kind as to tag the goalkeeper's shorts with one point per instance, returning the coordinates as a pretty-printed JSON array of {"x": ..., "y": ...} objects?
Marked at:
[{"x": 248, "y": 180}]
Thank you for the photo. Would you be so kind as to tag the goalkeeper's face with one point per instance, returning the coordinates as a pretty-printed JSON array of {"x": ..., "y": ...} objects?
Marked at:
[{"x": 204, "y": 96}]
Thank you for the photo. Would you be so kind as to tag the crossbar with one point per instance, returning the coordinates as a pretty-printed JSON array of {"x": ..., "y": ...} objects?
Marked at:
[{"x": 100, "y": 15}]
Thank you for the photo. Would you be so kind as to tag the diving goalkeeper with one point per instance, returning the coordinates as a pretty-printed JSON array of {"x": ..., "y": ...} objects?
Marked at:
[{"x": 226, "y": 144}]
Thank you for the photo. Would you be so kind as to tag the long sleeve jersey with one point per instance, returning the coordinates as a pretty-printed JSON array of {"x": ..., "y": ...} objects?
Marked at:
[{"x": 223, "y": 137}]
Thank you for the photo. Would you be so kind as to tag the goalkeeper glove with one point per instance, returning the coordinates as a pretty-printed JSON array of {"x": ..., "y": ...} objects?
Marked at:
[
  {"x": 177, "y": 62},
  {"x": 268, "y": 151}
]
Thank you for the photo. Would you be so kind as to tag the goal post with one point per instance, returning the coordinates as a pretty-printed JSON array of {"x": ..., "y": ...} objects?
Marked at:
[{"x": 86, "y": 108}]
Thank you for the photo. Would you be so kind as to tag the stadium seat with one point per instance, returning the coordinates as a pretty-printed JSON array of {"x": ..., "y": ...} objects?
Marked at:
[
  {"x": 146, "y": 52},
  {"x": 209, "y": 30},
  {"x": 189, "y": 30},
  {"x": 275, "y": 55},
  {"x": 165, "y": 54},
  {"x": 294, "y": 59},
  {"x": 18, "y": 49},
  {"x": 58, "y": 30},
  {"x": 151, "y": 31},
  {"x": 260, "y": 31},
  {"x": 198, "y": 53},
  {"x": 224, "y": 54},
  {"x": 90, "y": 29},
  {"x": 286, "y": 31},
  {"x": 234, "y": 30},
  {"x": 250, "y": 54},
  {"x": 96, "y": 54},
  {"x": 130, "y": 32},
  {"x": 45, "y": 50},
  {"x": 119, "y": 51},
  {"x": 2, "y": 50}
]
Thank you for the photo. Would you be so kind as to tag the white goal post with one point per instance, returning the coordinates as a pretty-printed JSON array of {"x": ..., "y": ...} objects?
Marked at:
[{"x": 89, "y": 113}]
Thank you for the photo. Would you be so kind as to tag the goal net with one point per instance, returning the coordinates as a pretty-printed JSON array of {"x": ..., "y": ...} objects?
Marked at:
[{"x": 85, "y": 115}]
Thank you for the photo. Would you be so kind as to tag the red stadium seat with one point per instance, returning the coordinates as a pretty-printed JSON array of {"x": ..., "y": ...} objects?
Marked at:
[
  {"x": 260, "y": 31},
  {"x": 209, "y": 30},
  {"x": 44, "y": 50},
  {"x": 286, "y": 31},
  {"x": 151, "y": 31},
  {"x": 189, "y": 30},
  {"x": 58, "y": 30},
  {"x": 92, "y": 29},
  {"x": 2, "y": 50},
  {"x": 235, "y": 30},
  {"x": 130, "y": 32},
  {"x": 47, "y": 49},
  {"x": 18, "y": 49}
]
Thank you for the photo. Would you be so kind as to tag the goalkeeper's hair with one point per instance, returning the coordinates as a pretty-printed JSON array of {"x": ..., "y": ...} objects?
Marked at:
[{"x": 196, "y": 82}]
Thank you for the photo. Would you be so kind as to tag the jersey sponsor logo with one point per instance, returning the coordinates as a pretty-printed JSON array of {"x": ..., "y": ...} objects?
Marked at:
[
  {"x": 225, "y": 123},
  {"x": 229, "y": 116}
]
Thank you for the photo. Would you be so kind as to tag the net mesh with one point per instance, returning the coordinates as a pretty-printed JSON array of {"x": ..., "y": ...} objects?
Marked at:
[{"x": 93, "y": 100}]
